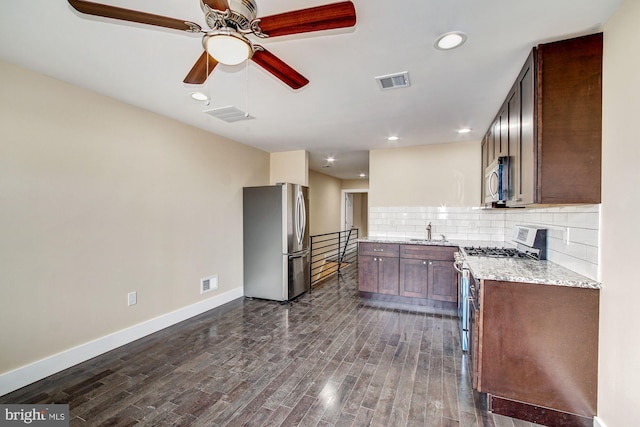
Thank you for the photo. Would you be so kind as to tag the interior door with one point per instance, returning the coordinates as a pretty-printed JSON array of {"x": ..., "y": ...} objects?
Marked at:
[{"x": 348, "y": 211}]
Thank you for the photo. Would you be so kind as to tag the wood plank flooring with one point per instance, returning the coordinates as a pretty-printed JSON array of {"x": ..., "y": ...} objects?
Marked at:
[{"x": 326, "y": 359}]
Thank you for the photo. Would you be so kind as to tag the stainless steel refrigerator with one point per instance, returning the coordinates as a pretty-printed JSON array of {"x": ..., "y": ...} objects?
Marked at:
[{"x": 276, "y": 241}]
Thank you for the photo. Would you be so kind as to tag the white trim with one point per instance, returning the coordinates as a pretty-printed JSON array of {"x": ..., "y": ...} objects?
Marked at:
[
  {"x": 342, "y": 204},
  {"x": 24, "y": 375},
  {"x": 597, "y": 422}
]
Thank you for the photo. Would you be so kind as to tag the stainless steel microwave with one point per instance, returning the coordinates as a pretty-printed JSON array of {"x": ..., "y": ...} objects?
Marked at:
[{"x": 496, "y": 181}]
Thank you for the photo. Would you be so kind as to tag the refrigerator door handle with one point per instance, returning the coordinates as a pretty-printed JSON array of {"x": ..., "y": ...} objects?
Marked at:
[{"x": 300, "y": 217}]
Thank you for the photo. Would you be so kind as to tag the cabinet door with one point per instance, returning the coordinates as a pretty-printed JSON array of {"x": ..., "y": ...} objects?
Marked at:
[
  {"x": 526, "y": 141},
  {"x": 368, "y": 273},
  {"x": 414, "y": 276},
  {"x": 388, "y": 275},
  {"x": 502, "y": 137},
  {"x": 513, "y": 138},
  {"x": 442, "y": 281},
  {"x": 483, "y": 166}
]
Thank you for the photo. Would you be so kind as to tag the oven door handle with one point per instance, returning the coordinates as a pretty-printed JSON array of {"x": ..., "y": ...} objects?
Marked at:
[{"x": 458, "y": 269}]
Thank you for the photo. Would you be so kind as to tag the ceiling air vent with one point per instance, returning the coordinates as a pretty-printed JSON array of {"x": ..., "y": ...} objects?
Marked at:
[
  {"x": 229, "y": 114},
  {"x": 393, "y": 81}
]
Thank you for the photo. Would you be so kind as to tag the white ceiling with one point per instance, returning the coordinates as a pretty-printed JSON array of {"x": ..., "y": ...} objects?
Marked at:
[{"x": 341, "y": 112}]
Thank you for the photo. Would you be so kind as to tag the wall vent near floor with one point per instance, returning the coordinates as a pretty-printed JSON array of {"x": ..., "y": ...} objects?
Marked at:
[
  {"x": 229, "y": 114},
  {"x": 208, "y": 283},
  {"x": 393, "y": 81}
]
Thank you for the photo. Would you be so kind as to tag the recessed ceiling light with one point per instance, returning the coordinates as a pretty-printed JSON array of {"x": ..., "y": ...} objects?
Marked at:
[
  {"x": 450, "y": 40},
  {"x": 392, "y": 138},
  {"x": 330, "y": 159},
  {"x": 362, "y": 175},
  {"x": 199, "y": 96},
  {"x": 464, "y": 130}
]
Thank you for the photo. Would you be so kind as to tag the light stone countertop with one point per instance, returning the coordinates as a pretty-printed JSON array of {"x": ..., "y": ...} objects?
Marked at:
[
  {"x": 402, "y": 241},
  {"x": 507, "y": 269},
  {"x": 527, "y": 271}
]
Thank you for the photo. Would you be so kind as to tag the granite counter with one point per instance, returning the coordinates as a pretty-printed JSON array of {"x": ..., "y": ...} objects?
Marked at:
[{"x": 506, "y": 269}]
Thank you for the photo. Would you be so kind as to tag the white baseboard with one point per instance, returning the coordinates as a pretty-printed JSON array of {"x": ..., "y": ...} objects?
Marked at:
[
  {"x": 597, "y": 422},
  {"x": 24, "y": 375}
]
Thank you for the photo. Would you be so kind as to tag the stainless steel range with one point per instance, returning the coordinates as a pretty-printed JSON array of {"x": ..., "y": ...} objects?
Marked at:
[{"x": 531, "y": 243}]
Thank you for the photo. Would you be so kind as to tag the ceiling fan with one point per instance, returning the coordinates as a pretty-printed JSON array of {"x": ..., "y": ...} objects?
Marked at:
[{"x": 230, "y": 22}]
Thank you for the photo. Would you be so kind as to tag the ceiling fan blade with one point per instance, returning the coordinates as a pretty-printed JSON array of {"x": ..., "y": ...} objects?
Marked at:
[
  {"x": 97, "y": 9},
  {"x": 221, "y": 5},
  {"x": 278, "y": 68},
  {"x": 201, "y": 70},
  {"x": 327, "y": 17}
]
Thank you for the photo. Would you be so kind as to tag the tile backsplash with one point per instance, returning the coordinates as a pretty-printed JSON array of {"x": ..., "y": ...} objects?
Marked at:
[
  {"x": 572, "y": 237},
  {"x": 454, "y": 223}
]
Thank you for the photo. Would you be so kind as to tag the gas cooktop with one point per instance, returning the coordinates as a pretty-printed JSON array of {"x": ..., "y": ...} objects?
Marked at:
[
  {"x": 495, "y": 252},
  {"x": 531, "y": 243}
]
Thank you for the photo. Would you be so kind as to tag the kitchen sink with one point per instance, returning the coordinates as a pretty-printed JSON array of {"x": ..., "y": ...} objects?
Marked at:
[{"x": 429, "y": 241}]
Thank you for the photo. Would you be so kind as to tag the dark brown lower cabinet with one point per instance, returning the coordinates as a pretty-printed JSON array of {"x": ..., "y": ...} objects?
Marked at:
[
  {"x": 538, "y": 351},
  {"x": 414, "y": 273},
  {"x": 442, "y": 281},
  {"x": 414, "y": 277},
  {"x": 378, "y": 268},
  {"x": 367, "y": 273},
  {"x": 388, "y": 275}
]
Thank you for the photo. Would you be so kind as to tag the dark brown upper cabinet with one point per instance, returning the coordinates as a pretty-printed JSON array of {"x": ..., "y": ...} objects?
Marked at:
[{"x": 550, "y": 126}]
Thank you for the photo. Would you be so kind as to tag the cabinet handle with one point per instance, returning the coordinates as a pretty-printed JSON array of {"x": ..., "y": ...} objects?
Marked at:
[
  {"x": 430, "y": 263},
  {"x": 425, "y": 262},
  {"x": 378, "y": 250},
  {"x": 375, "y": 259}
]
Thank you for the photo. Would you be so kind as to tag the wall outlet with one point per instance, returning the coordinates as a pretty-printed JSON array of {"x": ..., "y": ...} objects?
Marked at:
[
  {"x": 132, "y": 298},
  {"x": 208, "y": 283}
]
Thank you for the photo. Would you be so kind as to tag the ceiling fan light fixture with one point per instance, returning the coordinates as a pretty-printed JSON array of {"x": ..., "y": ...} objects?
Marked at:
[
  {"x": 227, "y": 46},
  {"x": 450, "y": 40},
  {"x": 199, "y": 96}
]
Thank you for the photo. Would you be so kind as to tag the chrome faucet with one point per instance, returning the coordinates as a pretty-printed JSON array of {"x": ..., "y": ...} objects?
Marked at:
[{"x": 429, "y": 231}]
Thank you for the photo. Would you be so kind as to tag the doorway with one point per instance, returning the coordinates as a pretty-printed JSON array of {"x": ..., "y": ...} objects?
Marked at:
[{"x": 355, "y": 210}]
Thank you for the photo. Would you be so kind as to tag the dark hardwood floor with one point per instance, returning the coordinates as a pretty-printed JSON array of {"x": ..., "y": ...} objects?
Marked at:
[{"x": 326, "y": 359}]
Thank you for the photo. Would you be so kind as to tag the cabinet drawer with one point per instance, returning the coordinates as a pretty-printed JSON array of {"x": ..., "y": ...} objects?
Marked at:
[
  {"x": 379, "y": 249},
  {"x": 436, "y": 253}
]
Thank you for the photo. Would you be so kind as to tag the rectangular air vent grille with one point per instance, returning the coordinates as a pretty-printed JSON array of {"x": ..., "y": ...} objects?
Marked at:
[
  {"x": 208, "y": 283},
  {"x": 393, "y": 81},
  {"x": 229, "y": 114}
]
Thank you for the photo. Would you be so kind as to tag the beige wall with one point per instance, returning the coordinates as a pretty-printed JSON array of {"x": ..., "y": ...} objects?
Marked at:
[
  {"x": 357, "y": 184},
  {"x": 429, "y": 175},
  {"x": 324, "y": 203},
  {"x": 619, "y": 394},
  {"x": 290, "y": 166},
  {"x": 98, "y": 199}
]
